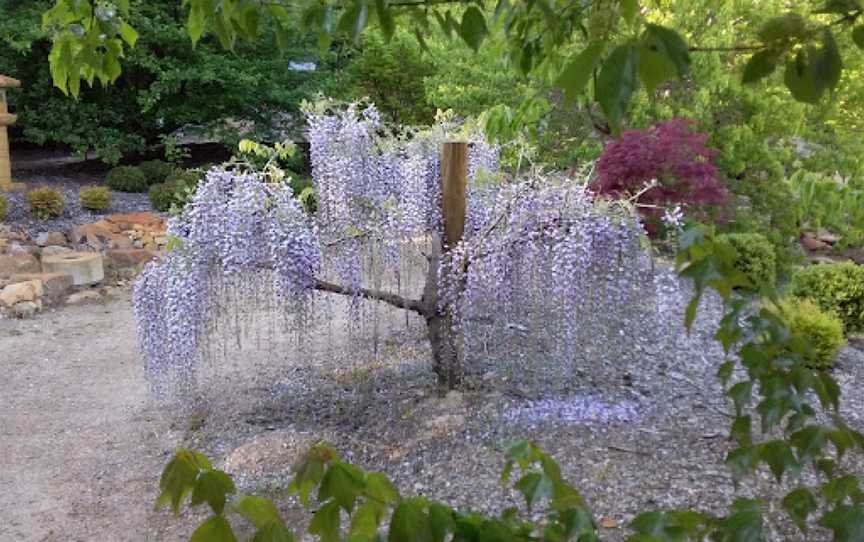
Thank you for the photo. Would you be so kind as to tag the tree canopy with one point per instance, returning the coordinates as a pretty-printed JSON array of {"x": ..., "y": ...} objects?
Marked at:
[{"x": 612, "y": 46}]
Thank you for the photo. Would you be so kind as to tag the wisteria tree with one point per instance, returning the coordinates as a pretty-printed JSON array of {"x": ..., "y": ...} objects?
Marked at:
[{"x": 489, "y": 247}]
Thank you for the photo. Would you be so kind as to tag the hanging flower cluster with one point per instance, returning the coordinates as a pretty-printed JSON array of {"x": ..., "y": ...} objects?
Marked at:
[{"x": 547, "y": 253}]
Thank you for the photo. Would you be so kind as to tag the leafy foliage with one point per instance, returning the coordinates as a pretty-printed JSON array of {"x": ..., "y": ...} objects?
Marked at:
[
  {"x": 45, "y": 203},
  {"x": 156, "y": 171},
  {"x": 126, "y": 179},
  {"x": 665, "y": 165},
  {"x": 166, "y": 83},
  {"x": 564, "y": 41},
  {"x": 95, "y": 198},
  {"x": 754, "y": 257},
  {"x": 837, "y": 288},
  {"x": 829, "y": 201},
  {"x": 162, "y": 196},
  {"x": 820, "y": 332}
]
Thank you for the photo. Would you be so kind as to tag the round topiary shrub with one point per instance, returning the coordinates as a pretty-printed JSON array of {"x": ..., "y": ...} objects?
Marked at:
[
  {"x": 127, "y": 179},
  {"x": 3, "y": 207},
  {"x": 819, "y": 332},
  {"x": 836, "y": 287},
  {"x": 156, "y": 171},
  {"x": 754, "y": 256},
  {"x": 162, "y": 196},
  {"x": 95, "y": 198},
  {"x": 46, "y": 203}
]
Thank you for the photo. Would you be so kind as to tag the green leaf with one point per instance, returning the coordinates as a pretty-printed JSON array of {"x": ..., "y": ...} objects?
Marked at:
[
  {"x": 215, "y": 529},
  {"x": 779, "y": 457},
  {"x": 828, "y": 65},
  {"x": 473, "y": 29},
  {"x": 178, "y": 479},
  {"x": 742, "y": 461},
  {"x": 535, "y": 486},
  {"x": 259, "y": 511},
  {"x": 410, "y": 523},
  {"x": 379, "y": 487},
  {"x": 129, "y": 35},
  {"x": 629, "y": 9},
  {"x": 617, "y": 82},
  {"x": 741, "y": 395},
  {"x": 742, "y": 431},
  {"x": 440, "y": 521},
  {"x": 760, "y": 65},
  {"x": 326, "y": 523},
  {"x": 799, "y": 504},
  {"x": 838, "y": 489},
  {"x": 670, "y": 45},
  {"x": 365, "y": 522},
  {"x": 577, "y": 72},
  {"x": 342, "y": 483},
  {"x": 274, "y": 532},
  {"x": 744, "y": 524},
  {"x": 809, "y": 442},
  {"x": 847, "y": 522},
  {"x": 212, "y": 488},
  {"x": 385, "y": 18},
  {"x": 858, "y": 36}
]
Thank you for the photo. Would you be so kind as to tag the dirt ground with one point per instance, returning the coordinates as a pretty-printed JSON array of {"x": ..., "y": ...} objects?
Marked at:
[
  {"x": 82, "y": 442},
  {"x": 79, "y": 448}
]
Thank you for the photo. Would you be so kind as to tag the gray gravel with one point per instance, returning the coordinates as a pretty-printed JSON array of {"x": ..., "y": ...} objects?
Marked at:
[{"x": 19, "y": 212}]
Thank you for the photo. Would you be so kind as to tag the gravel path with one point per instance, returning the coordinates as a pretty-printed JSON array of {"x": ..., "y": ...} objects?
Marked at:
[{"x": 81, "y": 443}]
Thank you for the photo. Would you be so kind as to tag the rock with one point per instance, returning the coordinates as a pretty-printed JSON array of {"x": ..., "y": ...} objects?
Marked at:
[
  {"x": 51, "y": 238},
  {"x": 54, "y": 250},
  {"x": 810, "y": 242},
  {"x": 99, "y": 236},
  {"x": 20, "y": 262},
  {"x": 29, "y": 290},
  {"x": 26, "y": 309},
  {"x": 84, "y": 267},
  {"x": 274, "y": 452},
  {"x": 143, "y": 221},
  {"x": 55, "y": 286},
  {"x": 827, "y": 237},
  {"x": 123, "y": 259},
  {"x": 82, "y": 297}
]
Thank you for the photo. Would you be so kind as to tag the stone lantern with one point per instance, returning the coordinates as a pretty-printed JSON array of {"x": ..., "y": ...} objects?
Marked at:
[{"x": 6, "y": 119}]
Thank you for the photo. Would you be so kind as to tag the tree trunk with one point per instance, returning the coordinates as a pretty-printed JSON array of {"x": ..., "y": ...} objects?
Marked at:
[{"x": 439, "y": 325}]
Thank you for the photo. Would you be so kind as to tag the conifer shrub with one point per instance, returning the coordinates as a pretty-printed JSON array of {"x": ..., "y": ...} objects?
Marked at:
[
  {"x": 127, "y": 179},
  {"x": 3, "y": 206},
  {"x": 156, "y": 171},
  {"x": 754, "y": 256},
  {"x": 95, "y": 198},
  {"x": 819, "y": 331},
  {"x": 46, "y": 203},
  {"x": 836, "y": 287},
  {"x": 162, "y": 196}
]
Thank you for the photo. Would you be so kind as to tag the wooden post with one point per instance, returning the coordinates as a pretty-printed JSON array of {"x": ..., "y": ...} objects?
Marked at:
[
  {"x": 439, "y": 320},
  {"x": 454, "y": 179}
]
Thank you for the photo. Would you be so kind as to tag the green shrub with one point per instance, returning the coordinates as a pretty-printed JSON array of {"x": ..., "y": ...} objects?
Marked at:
[
  {"x": 754, "y": 256},
  {"x": 836, "y": 287},
  {"x": 162, "y": 196},
  {"x": 156, "y": 171},
  {"x": 185, "y": 182},
  {"x": 821, "y": 331},
  {"x": 95, "y": 198},
  {"x": 3, "y": 207},
  {"x": 46, "y": 203},
  {"x": 127, "y": 179}
]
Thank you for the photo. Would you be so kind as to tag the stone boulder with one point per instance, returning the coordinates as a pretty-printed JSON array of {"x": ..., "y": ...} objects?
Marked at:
[
  {"x": 17, "y": 263},
  {"x": 54, "y": 238},
  {"x": 55, "y": 286},
  {"x": 19, "y": 292},
  {"x": 129, "y": 258}
]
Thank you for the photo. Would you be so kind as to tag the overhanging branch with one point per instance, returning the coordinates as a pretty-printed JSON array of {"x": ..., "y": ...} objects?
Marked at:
[{"x": 375, "y": 295}]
